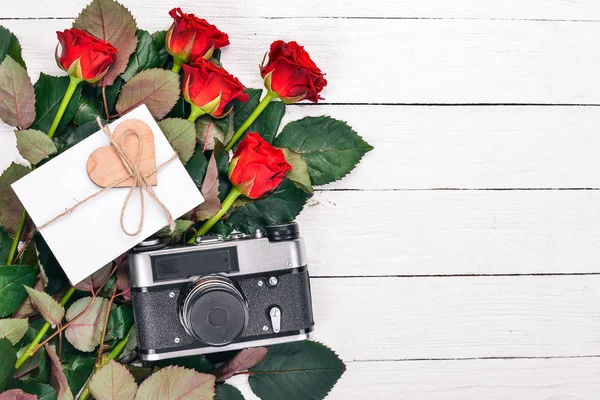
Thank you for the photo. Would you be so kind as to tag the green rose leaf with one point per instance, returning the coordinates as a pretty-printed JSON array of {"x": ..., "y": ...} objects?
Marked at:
[
  {"x": 49, "y": 92},
  {"x": 120, "y": 321},
  {"x": 13, "y": 329},
  {"x": 299, "y": 172},
  {"x": 279, "y": 207},
  {"x": 50, "y": 309},
  {"x": 10, "y": 46},
  {"x": 113, "y": 23},
  {"x": 145, "y": 56},
  {"x": 41, "y": 390},
  {"x": 330, "y": 147},
  {"x": 157, "y": 88},
  {"x": 112, "y": 382},
  {"x": 227, "y": 392},
  {"x": 84, "y": 334},
  {"x": 159, "y": 43},
  {"x": 52, "y": 274},
  {"x": 5, "y": 243},
  {"x": 222, "y": 158},
  {"x": 181, "y": 226},
  {"x": 8, "y": 355},
  {"x": 242, "y": 110},
  {"x": 34, "y": 145},
  {"x": 58, "y": 379},
  {"x": 78, "y": 370},
  {"x": 197, "y": 165},
  {"x": 197, "y": 363},
  {"x": 10, "y": 212},
  {"x": 267, "y": 124},
  {"x": 75, "y": 134},
  {"x": 17, "y": 100},
  {"x": 296, "y": 371},
  {"x": 175, "y": 383},
  {"x": 87, "y": 112},
  {"x": 181, "y": 134},
  {"x": 12, "y": 291}
]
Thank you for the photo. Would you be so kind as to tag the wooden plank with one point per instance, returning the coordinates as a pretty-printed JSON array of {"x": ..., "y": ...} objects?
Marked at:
[
  {"x": 470, "y": 147},
  {"x": 452, "y": 232},
  {"x": 537, "y": 379},
  {"x": 510, "y": 9},
  {"x": 426, "y": 61},
  {"x": 466, "y": 317},
  {"x": 460, "y": 147}
]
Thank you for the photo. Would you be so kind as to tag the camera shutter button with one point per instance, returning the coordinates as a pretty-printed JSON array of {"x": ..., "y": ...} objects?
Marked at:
[{"x": 275, "y": 314}]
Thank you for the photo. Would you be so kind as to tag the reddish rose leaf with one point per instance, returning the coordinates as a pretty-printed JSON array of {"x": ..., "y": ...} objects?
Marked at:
[
  {"x": 50, "y": 309},
  {"x": 242, "y": 361},
  {"x": 181, "y": 135},
  {"x": 123, "y": 282},
  {"x": 17, "y": 394},
  {"x": 210, "y": 191},
  {"x": 98, "y": 278},
  {"x": 58, "y": 380},
  {"x": 34, "y": 146},
  {"x": 10, "y": 211},
  {"x": 113, "y": 23},
  {"x": 26, "y": 309},
  {"x": 207, "y": 131},
  {"x": 157, "y": 88},
  {"x": 13, "y": 329},
  {"x": 113, "y": 382},
  {"x": 177, "y": 383},
  {"x": 17, "y": 98},
  {"x": 84, "y": 334}
]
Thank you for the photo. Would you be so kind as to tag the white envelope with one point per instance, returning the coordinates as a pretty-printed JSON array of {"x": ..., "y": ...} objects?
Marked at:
[{"x": 91, "y": 236}]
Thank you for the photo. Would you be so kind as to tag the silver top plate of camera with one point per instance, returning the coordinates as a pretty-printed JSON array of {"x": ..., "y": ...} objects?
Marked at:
[{"x": 257, "y": 255}]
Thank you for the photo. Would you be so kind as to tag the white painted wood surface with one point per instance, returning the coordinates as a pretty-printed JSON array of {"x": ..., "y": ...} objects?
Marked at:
[{"x": 489, "y": 290}]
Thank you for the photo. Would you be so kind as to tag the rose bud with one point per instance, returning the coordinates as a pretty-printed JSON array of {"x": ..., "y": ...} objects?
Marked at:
[
  {"x": 209, "y": 88},
  {"x": 291, "y": 74},
  {"x": 84, "y": 56},
  {"x": 191, "y": 37},
  {"x": 257, "y": 167}
]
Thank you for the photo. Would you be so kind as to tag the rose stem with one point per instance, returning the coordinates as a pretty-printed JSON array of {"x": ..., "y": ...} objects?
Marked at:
[
  {"x": 227, "y": 203},
  {"x": 115, "y": 352},
  {"x": 26, "y": 354},
  {"x": 176, "y": 65},
  {"x": 195, "y": 113},
  {"x": 73, "y": 83},
  {"x": 255, "y": 114}
]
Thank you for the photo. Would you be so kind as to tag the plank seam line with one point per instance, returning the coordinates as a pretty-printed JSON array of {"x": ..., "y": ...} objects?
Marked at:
[
  {"x": 354, "y": 18},
  {"x": 457, "y": 275},
  {"x": 574, "y": 189},
  {"x": 475, "y": 358}
]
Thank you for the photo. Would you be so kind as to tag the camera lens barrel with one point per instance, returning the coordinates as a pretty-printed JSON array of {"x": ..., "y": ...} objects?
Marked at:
[
  {"x": 214, "y": 311},
  {"x": 279, "y": 233}
]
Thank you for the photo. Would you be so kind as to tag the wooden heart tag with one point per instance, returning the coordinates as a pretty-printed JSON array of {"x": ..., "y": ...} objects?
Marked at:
[{"x": 104, "y": 166}]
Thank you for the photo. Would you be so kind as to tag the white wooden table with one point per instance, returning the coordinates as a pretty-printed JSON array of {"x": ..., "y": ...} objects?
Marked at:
[{"x": 460, "y": 260}]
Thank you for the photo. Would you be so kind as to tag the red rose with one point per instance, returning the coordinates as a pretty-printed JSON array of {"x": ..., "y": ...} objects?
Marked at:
[
  {"x": 83, "y": 55},
  {"x": 191, "y": 37},
  {"x": 257, "y": 167},
  {"x": 292, "y": 74},
  {"x": 210, "y": 88}
]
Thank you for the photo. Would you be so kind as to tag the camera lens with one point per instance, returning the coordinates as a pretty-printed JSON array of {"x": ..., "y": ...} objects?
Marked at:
[{"x": 214, "y": 311}]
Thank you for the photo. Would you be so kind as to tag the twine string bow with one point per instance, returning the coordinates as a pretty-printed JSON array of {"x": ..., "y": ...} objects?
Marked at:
[{"x": 140, "y": 181}]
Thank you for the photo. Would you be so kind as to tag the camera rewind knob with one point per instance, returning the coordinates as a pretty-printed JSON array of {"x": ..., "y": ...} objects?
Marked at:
[
  {"x": 279, "y": 233},
  {"x": 275, "y": 314}
]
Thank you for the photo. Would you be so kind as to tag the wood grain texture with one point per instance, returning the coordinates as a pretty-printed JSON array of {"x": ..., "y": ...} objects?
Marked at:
[
  {"x": 426, "y": 61},
  {"x": 463, "y": 317},
  {"x": 452, "y": 232},
  {"x": 539, "y": 379},
  {"x": 508, "y": 9},
  {"x": 470, "y": 147}
]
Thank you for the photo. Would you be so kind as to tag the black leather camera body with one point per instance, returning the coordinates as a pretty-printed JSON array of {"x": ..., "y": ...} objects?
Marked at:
[{"x": 220, "y": 295}]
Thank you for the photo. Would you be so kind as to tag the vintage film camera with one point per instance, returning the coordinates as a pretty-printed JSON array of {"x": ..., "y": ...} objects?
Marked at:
[{"x": 220, "y": 295}]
